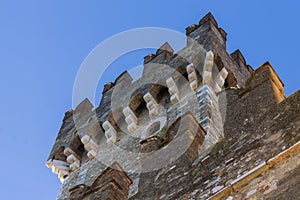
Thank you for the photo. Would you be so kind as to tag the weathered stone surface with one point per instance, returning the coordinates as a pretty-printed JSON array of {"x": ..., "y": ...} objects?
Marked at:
[{"x": 240, "y": 141}]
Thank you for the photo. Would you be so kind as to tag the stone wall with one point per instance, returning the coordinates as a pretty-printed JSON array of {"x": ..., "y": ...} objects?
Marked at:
[{"x": 199, "y": 124}]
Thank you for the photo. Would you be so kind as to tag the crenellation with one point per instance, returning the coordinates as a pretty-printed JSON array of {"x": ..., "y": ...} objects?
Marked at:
[
  {"x": 149, "y": 58},
  {"x": 250, "y": 69},
  {"x": 161, "y": 56},
  {"x": 107, "y": 87},
  {"x": 197, "y": 125},
  {"x": 105, "y": 105},
  {"x": 191, "y": 28},
  {"x": 264, "y": 72},
  {"x": 67, "y": 125},
  {"x": 238, "y": 57},
  {"x": 200, "y": 32},
  {"x": 165, "y": 49},
  {"x": 84, "y": 108},
  {"x": 211, "y": 37},
  {"x": 223, "y": 33},
  {"x": 208, "y": 18},
  {"x": 68, "y": 114},
  {"x": 124, "y": 79},
  {"x": 240, "y": 60}
]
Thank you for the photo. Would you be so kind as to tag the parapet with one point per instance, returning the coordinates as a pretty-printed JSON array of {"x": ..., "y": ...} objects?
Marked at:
[
  {"x": 213, "y": 38},
  {"x": 178, "y": 103},
  {"x": 267, "y": 73},
  {"x": 206, "y": 25},
  {"x": 68, "y": 114},
  {"x": 163, "y": 53},
  {"x": 124, "y": 79},
  {"x": 208, "y": 18},
  {"x": 165, "y": 49},
  {"x": 148, "y": 58},
  {"x": 83, "y": 109},
  {"x": 107, "y": 87},
  {"x": 238, "y": 57},
  {"x": 263, "y": 73}
]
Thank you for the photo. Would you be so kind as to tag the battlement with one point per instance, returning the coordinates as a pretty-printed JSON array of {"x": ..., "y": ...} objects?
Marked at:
[
  {"x": 162, "y": 54},
  {"x": 207, "y": 19},
  {"x": 181, "y": 125}
]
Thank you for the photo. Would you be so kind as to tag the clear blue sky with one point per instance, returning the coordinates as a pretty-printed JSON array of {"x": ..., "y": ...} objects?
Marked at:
[{"x": 42, "y": 45}]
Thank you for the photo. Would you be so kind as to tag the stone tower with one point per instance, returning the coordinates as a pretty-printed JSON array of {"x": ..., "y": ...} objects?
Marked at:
[{"x": 199, "y": 124}]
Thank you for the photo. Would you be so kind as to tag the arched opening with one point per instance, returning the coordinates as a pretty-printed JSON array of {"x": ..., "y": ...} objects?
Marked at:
[
  {"x": 78, "y": 148},
  {"x": 138, "y": 106},
  {"x": 161, "y": 95},
  {"x": 183, "y": 78}
]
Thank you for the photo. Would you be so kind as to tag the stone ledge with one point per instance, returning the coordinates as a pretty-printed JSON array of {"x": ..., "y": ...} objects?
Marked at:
[{"x": 264, "y": 167}]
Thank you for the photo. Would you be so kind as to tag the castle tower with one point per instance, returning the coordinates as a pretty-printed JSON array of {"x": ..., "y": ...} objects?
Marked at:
[{"x": 199, "y": 124}]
